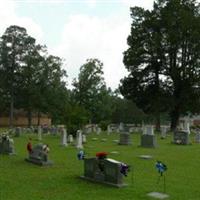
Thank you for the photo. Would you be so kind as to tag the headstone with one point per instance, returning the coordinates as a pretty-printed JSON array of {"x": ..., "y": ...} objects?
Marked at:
[
  {"x": 181, "y": 137},
  {"x": 28, "y": 130},
  {"x": 125, "y": 139},
  {"x": 163, "y": 132},
  {"x": 45, "y": 129},
  {"x": 39, "y": 156},
  {"x": 70, "y": 139},
  {"x": 53, "y": 130},
  {"x": 98, "y": 131},
  {"x": 103, "y": 139},
  {"x": 110, "y": 173},
  {"x": 149, "y": 130},
  {"x": 18, "y": 131},
  {"x": 32, "y": 129},
  {"x": 121, "y": 127},
  {"x": 108, "y": 130},
  {"x": 148, "y": 138},
  {"x": 94, "y": 139},
  {"x": 148, "y": 141},
  {"x": 84, "y": 140},
  {"x": 188, "y": 127},
  {"x": 181, "y": 126},
  {"x": 6, "y": 145},
  {"x": 79, "y": 142},
  {"x": 64, "y": 137},
  {"x": 197, "y": 136},
  {"x": 39, "y": 133}
]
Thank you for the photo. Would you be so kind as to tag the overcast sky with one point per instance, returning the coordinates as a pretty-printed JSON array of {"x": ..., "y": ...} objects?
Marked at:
[{"x": 76, "y": 30}]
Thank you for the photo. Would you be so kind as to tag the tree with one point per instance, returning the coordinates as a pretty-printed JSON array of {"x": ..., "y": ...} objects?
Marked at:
[
  {"x": 163, "y": 58},
  {"x": 54, "y": 89},
  {"x": 90, "y": 89},
  {"x": 31, "y": 79},
  {"x": 15, "y": 43}
]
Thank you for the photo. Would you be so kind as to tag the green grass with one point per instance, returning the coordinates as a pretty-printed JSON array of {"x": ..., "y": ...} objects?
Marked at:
[{"x": 20, "y": 180}]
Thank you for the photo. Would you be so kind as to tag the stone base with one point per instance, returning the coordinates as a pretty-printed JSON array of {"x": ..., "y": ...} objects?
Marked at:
[
  {"x": 122, "y": 143},
  {"x": 39, "y": 162},
  {"x": 104, "y": 182},
  {"x": 158, "y": 195}
]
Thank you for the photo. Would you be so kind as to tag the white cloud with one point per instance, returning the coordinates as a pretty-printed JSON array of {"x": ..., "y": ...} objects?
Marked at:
[
  {"x": 93, "y": 37},
  {"x": 9, "y": 17},
  {"x": 91, "y": 3}
]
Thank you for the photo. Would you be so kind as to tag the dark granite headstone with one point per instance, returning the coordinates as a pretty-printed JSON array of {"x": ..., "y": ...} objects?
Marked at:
[
  {"x": 39, "y": 156},
  {"x": 18, "y": 131},
  {"x": 53, "y": 130},
  {"x": 105, "y": 171},
  {"x": 112, "y": 172},
  {"x": 6, "y": 145},
  {"x": 181, "y": 137},
  {"x": 45, "y": 129},
  {"x": 125, "y": 139},
  {"x": 148, "y": 141}
]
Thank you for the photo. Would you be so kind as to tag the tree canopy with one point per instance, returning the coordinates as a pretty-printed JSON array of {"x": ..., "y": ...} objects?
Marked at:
[{"x": 163, "y": 59}]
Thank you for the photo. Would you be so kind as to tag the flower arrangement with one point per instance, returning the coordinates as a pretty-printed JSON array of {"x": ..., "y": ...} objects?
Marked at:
[
  {"x": 81, "y": 155},
  {"x": 101, "y": 155},
  {"x": 124, "y": 168},
  {"x": 161, "y": 167}
]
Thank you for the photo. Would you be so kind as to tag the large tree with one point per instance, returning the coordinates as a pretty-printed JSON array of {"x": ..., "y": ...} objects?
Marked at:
[
  {"x": 15, "y": 44},
  {"x": 90, "y": 89},
  {"x": 31, "y": 79},
  {"x": 163, "y": 58}
]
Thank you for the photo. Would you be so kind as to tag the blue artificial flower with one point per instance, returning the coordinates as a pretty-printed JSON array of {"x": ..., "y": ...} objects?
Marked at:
[
  {"x": 161, "y": 167},
  {"x": 81, "y": 155}
]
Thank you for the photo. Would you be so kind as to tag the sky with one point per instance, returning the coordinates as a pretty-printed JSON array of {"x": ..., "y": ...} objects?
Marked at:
[{"x": 76, "y": 30}]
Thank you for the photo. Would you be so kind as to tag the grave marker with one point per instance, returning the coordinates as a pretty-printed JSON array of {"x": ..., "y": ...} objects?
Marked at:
[
  {"x": 6, "y": 145},
  {"x": 39, "y": 155}
]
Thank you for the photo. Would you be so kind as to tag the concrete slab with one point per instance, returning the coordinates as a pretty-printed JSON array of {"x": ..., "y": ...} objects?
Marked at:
[
  {"x": 158, "y": 195},
  {"x": 146, "y": 157}
]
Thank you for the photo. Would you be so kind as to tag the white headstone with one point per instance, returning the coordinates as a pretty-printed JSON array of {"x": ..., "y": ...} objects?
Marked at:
[
  {"x": 108, "y": 130},
  {"x": 64, "y": 137},
  {"x": 181, "y": 126},
  {"x": 149, "y": 130},
  {"x": 70, "y": 139},
  {"x": 84, "y": 140},
  {"x": 39, "y": 133},
  {"x": 121, "y": 126},
  {"x": 79, "y": 142},
  {"x": 188, "y": 127},
  {"x": 98, "y": 131},
  {"x": 163, "y": 131}
]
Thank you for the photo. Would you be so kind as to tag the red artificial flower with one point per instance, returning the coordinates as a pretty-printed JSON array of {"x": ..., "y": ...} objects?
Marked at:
[{"x": 101, "y": 154}]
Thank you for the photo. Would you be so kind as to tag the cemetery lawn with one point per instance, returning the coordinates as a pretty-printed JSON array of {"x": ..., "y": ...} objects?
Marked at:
[{"x": 20, "y": 180}]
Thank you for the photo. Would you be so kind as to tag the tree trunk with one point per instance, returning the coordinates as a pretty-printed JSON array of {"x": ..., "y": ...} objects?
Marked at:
[
  {"x": 175, "y": 114},
  {"x": 158, "y": 122},
  {"x": 29, "y": 118},
  {"x": 11, "y": 110},
  {"x": 38, "y": 123}
]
